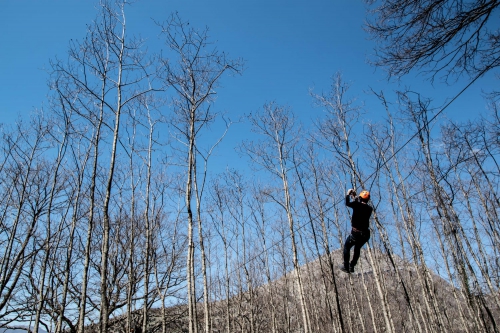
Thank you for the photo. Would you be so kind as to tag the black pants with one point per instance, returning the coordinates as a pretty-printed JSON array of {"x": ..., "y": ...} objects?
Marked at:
[{"x": 356, "y": 239}]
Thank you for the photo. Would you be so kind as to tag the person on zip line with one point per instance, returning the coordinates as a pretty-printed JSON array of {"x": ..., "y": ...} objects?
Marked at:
[{"x": 360, "y": 232}]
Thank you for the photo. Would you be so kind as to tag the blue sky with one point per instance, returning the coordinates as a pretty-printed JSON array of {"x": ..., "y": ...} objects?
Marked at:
[{"x": 289, "y": 47}]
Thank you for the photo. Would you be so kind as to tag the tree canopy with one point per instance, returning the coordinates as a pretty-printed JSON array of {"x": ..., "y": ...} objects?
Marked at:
[{"x": 449, "y": 38}]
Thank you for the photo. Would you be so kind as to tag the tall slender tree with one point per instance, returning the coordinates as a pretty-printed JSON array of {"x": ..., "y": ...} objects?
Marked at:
[
  {"x": 194, "y": 74},
  {"x": 276, "y": 124}
]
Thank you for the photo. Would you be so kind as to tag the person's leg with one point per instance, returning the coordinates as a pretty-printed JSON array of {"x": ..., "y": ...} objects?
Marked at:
[
  {"x": 349, "y": 242},
  {"x": 356, "y": 253},
  {"x": 360, "y": 241}
]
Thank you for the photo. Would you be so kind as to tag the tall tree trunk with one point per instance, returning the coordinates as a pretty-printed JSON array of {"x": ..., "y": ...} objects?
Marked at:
[
  {"x": 90, "y": 228},
  {"x": 193, "y": 326},
  {"x": 74, "y": 219},
  {"x": 201, "y": 242},
  {"x": 49, "y": 236},
  {"x": 105, "y": 311}
]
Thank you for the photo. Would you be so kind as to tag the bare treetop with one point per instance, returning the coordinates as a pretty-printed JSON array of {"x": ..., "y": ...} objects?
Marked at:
[{"x": 446, "y": 37}]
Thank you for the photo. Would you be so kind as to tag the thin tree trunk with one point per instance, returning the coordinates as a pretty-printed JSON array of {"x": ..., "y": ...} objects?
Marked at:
[
  {"x": 305, "y": 314},
  {"x": 147, "y": 253},
  {"x": 260, "y": 220},
  {"x": 193, "y": 327},
  {"x": 90, "y": 228},
  {"x": 104, "y": 313},
  {"x": 206, "y": 300},
  {"x": 74, "y": 218},
  {"x": 49, "y": 236},
  {"x": 326, "y": 249}
]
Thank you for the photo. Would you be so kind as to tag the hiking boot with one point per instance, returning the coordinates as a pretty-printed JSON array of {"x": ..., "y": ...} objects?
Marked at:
[{"x": 351, "y": 269}]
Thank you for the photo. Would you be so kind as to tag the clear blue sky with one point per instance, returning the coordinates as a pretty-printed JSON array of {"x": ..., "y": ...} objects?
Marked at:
[{"x": 289, "y": 47}]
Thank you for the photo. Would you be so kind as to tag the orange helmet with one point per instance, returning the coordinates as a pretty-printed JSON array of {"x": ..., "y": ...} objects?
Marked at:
[{"x": 365, "y": 195}]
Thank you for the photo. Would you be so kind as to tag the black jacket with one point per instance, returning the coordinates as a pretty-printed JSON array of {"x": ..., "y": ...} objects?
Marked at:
[{"x": 361, "y": 213}]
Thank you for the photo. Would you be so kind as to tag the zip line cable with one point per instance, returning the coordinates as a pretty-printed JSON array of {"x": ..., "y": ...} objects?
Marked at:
[{"x": 377, "y": 169}]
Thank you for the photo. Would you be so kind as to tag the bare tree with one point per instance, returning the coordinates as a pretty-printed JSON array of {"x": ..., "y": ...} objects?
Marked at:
[
  {"x": 218, "y": 214},
  {"x": 168, "y": 244},
  {"x": 105, "y": 74},
  {"x": 24, "y": 204},
  {"x": 236, "y": 206},
  {"x": 194, "y": 74},
  {"x": 454, "y": 37},
  {"x": 276, "y": 124},
  {"x": 316, "y": 210},
  {"x": 385, "y": 140}
]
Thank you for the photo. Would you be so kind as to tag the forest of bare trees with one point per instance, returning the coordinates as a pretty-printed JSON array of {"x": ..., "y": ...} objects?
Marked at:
[{"x": 111, "y": 219}]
